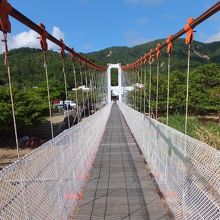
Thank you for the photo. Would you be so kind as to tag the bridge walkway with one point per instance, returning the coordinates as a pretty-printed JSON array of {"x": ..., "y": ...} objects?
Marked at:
[{"x": 120, "y": 186}]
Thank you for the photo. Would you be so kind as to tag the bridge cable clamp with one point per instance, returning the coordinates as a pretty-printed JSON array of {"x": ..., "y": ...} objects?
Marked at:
[
  {"x": 189, "y": 31},
  {"x": 151, "y": 57},
  {"x": 169, "y": 44},
  {"x": 43, "y": 37},
  {"x": 5, "y": 11},
  {"x": 145, "y": 58},
  {"x": 73, "y": 55},
  {"x": 141, "y": 61},
  {"x": 62, "y": 53},
  {"x": 62, "y": 49},
  {"x": 158, "y": 51},
  {"x": 43, "y": 41},
  {"x": 5, "y": 25}
]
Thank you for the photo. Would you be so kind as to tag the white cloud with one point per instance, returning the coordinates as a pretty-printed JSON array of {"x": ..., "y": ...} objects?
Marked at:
[
  {"x": 214, "y": 37},
  {"x": 142, "y": 21},
  {"x": 57, "y": 33},
  {"x": 24, "y": 39},
  {"x": 145, "y": 2},
  {"x": 30, "y": 39},
  {"x": 134, "y": 38}
]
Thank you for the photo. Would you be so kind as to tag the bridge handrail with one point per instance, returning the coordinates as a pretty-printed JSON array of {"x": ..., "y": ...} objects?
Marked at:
[
  {"x": 48, "y": 182},
  {"x": 187, "y": 171}
]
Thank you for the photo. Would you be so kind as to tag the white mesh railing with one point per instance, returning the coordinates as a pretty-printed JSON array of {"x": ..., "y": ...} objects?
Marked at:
[
  {"x": 187, "y": 171},
  {"x": 47, "y": 183}
]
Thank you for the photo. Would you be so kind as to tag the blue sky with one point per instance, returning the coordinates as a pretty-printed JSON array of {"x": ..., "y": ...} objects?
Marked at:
[{"x": 89, "y": 25}]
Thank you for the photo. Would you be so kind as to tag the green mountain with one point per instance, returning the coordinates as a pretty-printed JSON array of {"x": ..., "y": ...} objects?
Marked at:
[
  {"x": 27, "y": 64},
  {"x": 27, "y": 68},
  {"x": 202, "y": 53},
  {"x": 29, "y": 86}
]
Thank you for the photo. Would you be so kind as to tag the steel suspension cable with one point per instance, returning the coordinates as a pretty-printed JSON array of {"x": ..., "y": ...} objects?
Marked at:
[
  {"x": 83, "y": 98},
  {"x": 128, "y": 98},
  {"x": 106, "y": 86},
  {"x": 48, "y": 94},
  {"x": 157, "y": 89},
  {"x": 51, "y": 123},
  {"x": 150, "y": 79},
  {"x": 168, "y": 90},
  {"x": 169, "y": 51},
  {"x": 44, "y": 46},
  {"x": 91, "y": 90},
  {"x": 126, "y": 84},
  {"x": 138, "y": 92},
  {"x": 141, "y": 97},
  {"x": 140, "y": 88},
  {"x": 187, "y": 88},
  {"x": 145, "y": 83},
  {"x": 133, "y": 83},
  {"x": 189, "y": 38},
  {"x": 96, "y": 90},
  {"x": 6, "y": 62},
  {"x": 130, "y": 81},
  {"x": 143, "y": 89},
  {"x": 134, "y": 91},
  {"x": 62, "y": 53},
  {"x": 93, "y": 84},
  {"x": 158, "y": 54},
  {"x": 66, "y": 92},
  {"x": 103, "y": 86},
  {"x": 99, "y": 88},
  {"x": 75, "y": 85},
  {"x": 87, "y": 92}
]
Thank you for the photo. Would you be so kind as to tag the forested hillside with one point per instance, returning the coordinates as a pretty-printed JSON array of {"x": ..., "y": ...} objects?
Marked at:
[
  {"x": 27, "y": 64},
  {"x": 29, "y": 86},
  {"x": 202, "y": 53}
]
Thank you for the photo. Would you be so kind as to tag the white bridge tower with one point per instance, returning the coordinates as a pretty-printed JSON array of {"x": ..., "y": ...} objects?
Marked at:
[{"x": 114, "y": 66}]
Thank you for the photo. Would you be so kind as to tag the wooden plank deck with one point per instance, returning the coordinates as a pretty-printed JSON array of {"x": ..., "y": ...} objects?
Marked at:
[{"x": 120, "y": 186}]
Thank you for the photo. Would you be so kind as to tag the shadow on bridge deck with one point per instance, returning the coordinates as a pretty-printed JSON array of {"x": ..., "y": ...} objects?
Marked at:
[{"x": 120, "y": 186}]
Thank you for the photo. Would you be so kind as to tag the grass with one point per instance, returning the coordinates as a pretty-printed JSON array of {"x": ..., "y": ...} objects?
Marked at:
[{"x": 208, "y": 132}]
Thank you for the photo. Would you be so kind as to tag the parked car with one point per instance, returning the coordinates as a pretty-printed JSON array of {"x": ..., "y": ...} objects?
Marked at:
[{"x": 68, "y": 104}]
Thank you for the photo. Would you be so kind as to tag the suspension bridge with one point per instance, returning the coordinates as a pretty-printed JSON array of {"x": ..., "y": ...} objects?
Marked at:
[{"x": 120, "y": 162}]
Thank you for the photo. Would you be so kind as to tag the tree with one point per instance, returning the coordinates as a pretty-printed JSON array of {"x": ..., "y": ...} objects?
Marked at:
[{"x": 30, "y": 108}]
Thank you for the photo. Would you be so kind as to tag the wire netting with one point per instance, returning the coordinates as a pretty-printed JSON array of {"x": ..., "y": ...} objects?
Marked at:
[
  {"x": 187, "y": 171},
  {"x": 47, "y": 183}
]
